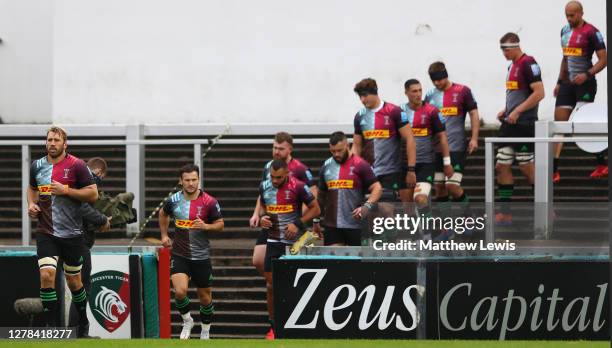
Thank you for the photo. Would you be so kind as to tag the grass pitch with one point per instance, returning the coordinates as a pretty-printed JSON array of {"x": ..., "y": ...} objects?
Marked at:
[{"x": 249, "y": 343}]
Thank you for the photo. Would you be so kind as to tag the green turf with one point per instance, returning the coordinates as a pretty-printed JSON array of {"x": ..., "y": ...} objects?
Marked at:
[{"x": 148, "y": 343}]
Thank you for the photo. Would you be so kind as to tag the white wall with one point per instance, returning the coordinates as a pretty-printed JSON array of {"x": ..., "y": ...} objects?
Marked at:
[
  {"x": 161, "y": 61},
  {"x": 25, "y": 60}
]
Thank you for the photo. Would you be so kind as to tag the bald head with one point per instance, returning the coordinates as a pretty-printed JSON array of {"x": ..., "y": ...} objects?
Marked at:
[
  {"x": 574, "y": 6},
  {"x": 573, "y": 13}
]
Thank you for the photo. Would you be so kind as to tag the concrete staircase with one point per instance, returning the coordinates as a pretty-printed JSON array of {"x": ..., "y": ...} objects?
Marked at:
[{"x": 232, "y": 174}]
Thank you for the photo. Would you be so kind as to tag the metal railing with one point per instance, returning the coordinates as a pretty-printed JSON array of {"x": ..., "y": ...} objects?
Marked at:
[
  {"x": 134, "y": 173},
  {"x": 543, "y": 186},
  {"x": 135, "y": 143}
]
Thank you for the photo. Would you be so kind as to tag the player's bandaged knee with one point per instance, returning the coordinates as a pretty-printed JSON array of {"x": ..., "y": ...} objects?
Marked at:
[
  {"x": 439, "y": 178},
  {"x": 47, "y": 262},
  {"x": 505, "y": 155},
  {"x": 455, "y": 179},
  {"x": 524, "y": 157},
  {"x": 72, "y": 270},
  {"x": 422, "y": 188}
]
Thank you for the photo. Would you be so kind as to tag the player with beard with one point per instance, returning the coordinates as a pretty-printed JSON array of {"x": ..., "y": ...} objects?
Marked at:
[
  {"x": 282, "y": 148},
  {"x": 344, "y": 180},
  {"x": 59, "y": 184},
  {"x": 282, "y": 197}
]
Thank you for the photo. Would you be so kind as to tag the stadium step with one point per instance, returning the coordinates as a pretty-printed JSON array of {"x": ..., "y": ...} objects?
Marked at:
[{"x": 232, "y": 174}]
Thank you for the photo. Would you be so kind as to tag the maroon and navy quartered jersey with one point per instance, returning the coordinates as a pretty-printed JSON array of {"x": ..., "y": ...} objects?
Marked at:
[
  {"x": 521, "y": 74},
  {"x": 453, "y": 103},
  {"x": 296, "y": 168},
  {"x": 59, "y": 215},
  {"x": 379, "y": 129},
  {"x": 426, "y": 122},
  {"x": 345, "y": 185},
  {"x": 578, "y": 45},
  {"x": 284, "y": 206},
  {"x": 191, "y": 243}
]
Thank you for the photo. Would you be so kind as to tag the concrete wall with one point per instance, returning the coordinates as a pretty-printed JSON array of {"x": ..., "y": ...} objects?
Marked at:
[
  {"x": 26, "y": 60},
  {"x": 160, "y": 61}
]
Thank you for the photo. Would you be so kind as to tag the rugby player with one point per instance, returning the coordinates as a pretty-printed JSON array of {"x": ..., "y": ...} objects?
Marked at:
[
  {"x": 344, "y": 179},
  {"x": 282, "y": 197},
  {"x": 59, "y": 184},
  {"x": 524, "y": 91},
  {"x": 281, "y": 149},
  {"x": 454, "y": 101},
  {"x": 576, "y": 84},
  {"x": 426, "y": 123},
  {"x": 195, "y": 213},
  {"x": 378, "y": 130}
]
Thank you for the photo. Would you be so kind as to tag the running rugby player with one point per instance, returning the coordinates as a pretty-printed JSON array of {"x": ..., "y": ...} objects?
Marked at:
[
  {"x": 282, "y": 148},
  {"x": 282, "y": 197},
  {"x": 195, "y": 213}
]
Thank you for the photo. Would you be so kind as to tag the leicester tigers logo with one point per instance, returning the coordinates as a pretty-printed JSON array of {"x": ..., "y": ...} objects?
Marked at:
[
  {"x": 108, "y": 304},
  {"x": 109, "y": 299}
]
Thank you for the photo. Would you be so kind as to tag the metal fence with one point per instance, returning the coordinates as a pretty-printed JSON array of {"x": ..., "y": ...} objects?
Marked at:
[{"x": 135, "y": 140}]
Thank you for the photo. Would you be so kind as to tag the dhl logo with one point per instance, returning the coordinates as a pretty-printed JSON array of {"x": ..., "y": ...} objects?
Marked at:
[
  {"x": 511, "y": 84},
  {"x": 183, "y": 223},
  {"x": 420, "y": 132},
  {"x": 376, "y": 134},
  {"x": 279, "y": 208},
  {"x": 340, "y": 184},
  {"x": 45, "y": 190},
  {"x": 449, "y": 111},
  {"x": 572, "y": 51}
]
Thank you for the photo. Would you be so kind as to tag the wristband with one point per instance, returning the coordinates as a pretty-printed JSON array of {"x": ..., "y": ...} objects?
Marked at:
[
  {"x": 367, "y": 205},
  {"x": 316, "y": 220},
  {"x": 299, "y": 224},
  {"x": 411, "y": 168},
  {"x": 446, "y": 160}
]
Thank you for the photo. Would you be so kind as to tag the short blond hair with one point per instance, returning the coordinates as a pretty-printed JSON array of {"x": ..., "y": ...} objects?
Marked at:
[{"x": 59, "y": 130}]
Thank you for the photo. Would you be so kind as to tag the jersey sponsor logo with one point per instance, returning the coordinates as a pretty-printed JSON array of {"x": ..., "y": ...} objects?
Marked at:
[
  {"x": 535, "y": 69},
  {"x": 376, "y": 134},
  {"x": 340, "y": 184},
  {"x": 599, "y": 37},
  {"x": 420, "y": 132},
  {"x": 66, "y": 172},
  {"x": 279, "y": 208},
  {"x": 449, "y": 111},
  {"x": 512, "y": 85},
  {"x": 572, "y": 51},
  {"x": 183, "y": 223},
  {"x": 45, "y": 190}
]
